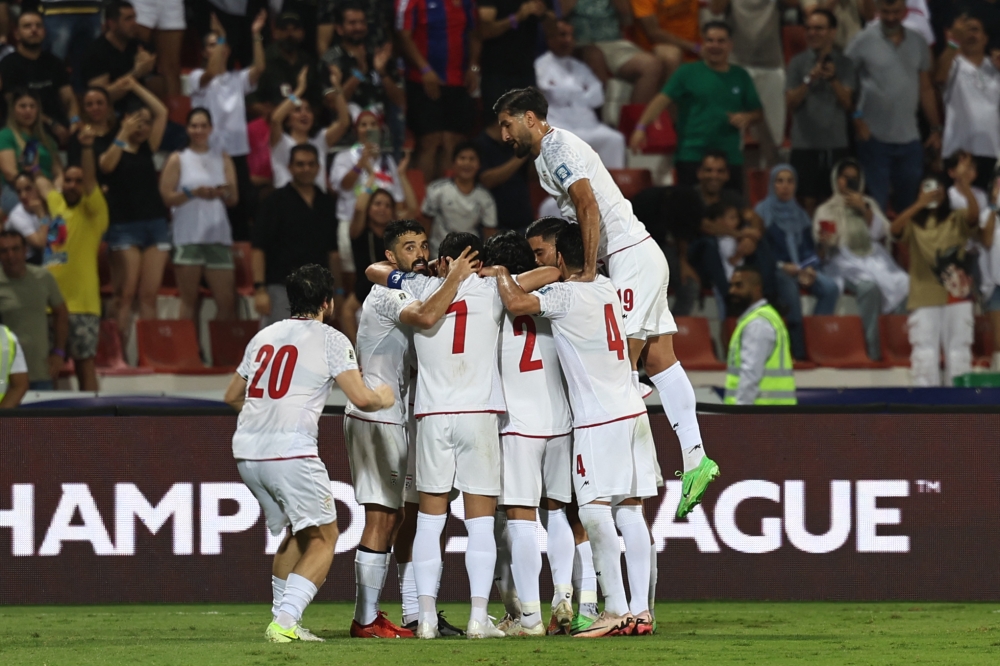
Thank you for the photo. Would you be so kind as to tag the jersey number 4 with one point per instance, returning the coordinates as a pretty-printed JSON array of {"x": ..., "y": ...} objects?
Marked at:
[
  {"x": 615, "y": 342},
  {"x": 281, "y": 372},
  {"x": 525, "y": 325}
]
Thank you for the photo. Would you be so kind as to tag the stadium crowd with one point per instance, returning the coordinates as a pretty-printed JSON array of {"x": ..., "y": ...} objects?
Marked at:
[{"x": 172, "y": 130}]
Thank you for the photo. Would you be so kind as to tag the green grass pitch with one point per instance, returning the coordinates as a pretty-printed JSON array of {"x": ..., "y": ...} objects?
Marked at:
[{"x": 690, "y": 633}]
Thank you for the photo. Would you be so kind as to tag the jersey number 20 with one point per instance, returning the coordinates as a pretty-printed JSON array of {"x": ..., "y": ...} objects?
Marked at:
[
  {"x": 525, "y": 325},
  {"x": 281, "y": 372}
]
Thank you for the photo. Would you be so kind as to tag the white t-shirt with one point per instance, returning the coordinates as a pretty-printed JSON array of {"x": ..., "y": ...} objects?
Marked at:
[
  {"x": 727, "y": 248},
  {"x": 224, "y": 98},
  {"x": 25, "y": 223},
  {"x": 972, "y": 109},
  {"x": 282, "y": 153},
  {"x": 385, "y": 349},
  {"x": 589, "y": 332},
  {"x": 386, "y": 177},
  {"x": 457, "y": 368},
  {"x": 453, "y": 210},
  {"x": 290, "y": 367},
  {"x": 566, "y": 158}
]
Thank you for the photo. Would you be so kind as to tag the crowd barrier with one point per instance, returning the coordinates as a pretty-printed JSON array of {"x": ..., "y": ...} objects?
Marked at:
[{"x": 133, "y": 506}]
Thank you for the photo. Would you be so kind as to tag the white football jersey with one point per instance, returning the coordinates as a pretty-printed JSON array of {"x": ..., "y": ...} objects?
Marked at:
[
  {"x": 457, "y": 358},
  {"x": 564, "y": 159},
  {"x": 289, "y": 367},
  {"x": 384, "y": 348},
  {"x": 533, "y": 385},
  {"x": 589, "y": 333}
]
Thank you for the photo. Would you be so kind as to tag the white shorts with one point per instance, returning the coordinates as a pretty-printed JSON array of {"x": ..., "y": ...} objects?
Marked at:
[
  {"x": 344, "y": 246},
  {"x": 292, "y": 492},
  {"x": 160, "y": 14},
  {"x": 536, "y": 467},
  {"x": 614, "y": 461},
  {"x": 641, "y": 275},
  {"x": 377, "y": 453},
  {"x": 459, "y": 451},
  {"x": 410, "y": 493}
]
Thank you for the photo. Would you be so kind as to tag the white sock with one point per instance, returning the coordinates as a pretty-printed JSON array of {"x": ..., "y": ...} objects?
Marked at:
[
  {"x": 502, "y": 575},
  {"x": 526, "y": 565},
  {"x": 277, "y": 591},
  {"x": 408, "y": 591},
  {"x": 635, "y": 533},
  {"x": 653, "y": 567},
  {"x": 635, "y": 380},
  {"x": 600, "y": 526},
  {"x": 561, "y": 550},
  {"x": 677, "y": 396},
  {"x": 479, "y": 613},
  {"x": 427, "y": 563},
  {"x": 369, "y": 573},
  {"x": 480, "y": 562},
  {"x": 585, "y": 579},
  {"x": 299, "y": 592}
]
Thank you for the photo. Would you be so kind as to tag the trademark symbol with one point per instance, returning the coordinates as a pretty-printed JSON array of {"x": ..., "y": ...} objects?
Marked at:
[{"x": 924, "y": 486}]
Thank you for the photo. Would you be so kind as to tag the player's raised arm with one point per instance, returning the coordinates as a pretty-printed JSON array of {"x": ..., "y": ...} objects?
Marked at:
[
  {"x": 538, "y": 277},
  {"x": 588, "y": 214},
  {"x": 362, "y": 397},
  {"x": 236, "y": 392},
  {"x": 425, "y": 314},
  {"x": 514, "y": 298}
]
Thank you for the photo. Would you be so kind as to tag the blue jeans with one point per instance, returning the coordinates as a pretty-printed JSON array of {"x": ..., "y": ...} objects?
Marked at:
[
  {"x": 69, "y": 37},
  {"x": 826, "y": 292},
  {"x": 898, "y": 167},
  {"x": 42, "y": 385}
]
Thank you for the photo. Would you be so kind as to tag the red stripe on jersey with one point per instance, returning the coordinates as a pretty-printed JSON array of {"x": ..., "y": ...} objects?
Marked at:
[
  {"x": 521, "y": 434},
  {"x": 474, "y": 411},
  {"x": 622, "y": 418},
  {"x": 276, "y": 459},
  {"x": 358, "y": 418},
  {"x": 630, "y": 246}
]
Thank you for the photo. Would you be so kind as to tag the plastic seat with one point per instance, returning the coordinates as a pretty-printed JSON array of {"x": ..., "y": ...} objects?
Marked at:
[
  {"x": 693, "y": 344},
  {"x": 416, "y": 178},
  {"x": 631, "y": 181},
  {"x": 243, "y": 259},
  {"x": 110, "y": 360},
  {"x": 793, "y": 39},
  {"x": 895, "y": 340},
  {"x": 661, "y": 138},
  {"x": 837, "y": 342},
  {"x": 757, "y": 182},
  {"x": 171, "y": 346},
  {"x": 230, "y": 340}
]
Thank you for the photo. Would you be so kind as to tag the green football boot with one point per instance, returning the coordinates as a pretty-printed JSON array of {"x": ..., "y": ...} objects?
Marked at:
[{"x": 694, "y": 484}]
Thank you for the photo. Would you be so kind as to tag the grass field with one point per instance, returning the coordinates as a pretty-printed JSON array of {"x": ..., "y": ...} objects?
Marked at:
[{"x": 691, "y": 633}]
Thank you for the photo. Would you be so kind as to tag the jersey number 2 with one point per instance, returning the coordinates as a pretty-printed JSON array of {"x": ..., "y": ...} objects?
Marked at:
[
  {"x": 615, "y": 342},
  {"x": 525, "y": 325},
  {"x": 280, "y": 379},
  {"x": 461, "y": 311}
]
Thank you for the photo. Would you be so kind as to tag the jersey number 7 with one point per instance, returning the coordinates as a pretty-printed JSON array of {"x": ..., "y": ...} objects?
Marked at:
[
  {"x": 615, "y": 342},
  {"x": 280, "y": 379}
]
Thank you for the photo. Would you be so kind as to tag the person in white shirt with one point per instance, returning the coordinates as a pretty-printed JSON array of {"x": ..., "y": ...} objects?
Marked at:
[
  {"x": 280, "y": 389},
  {"x": 614, "y": 460},
  {"x": 30, "y": 218},
  {"x": 460, "y": 203},
  {"x": 573, "y": 92},
  {"x": 572, "y": 172}
]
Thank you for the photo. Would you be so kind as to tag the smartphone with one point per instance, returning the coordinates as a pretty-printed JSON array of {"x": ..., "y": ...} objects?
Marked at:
[
  {"x": 30, "y": 152},
  {"x": 373, "y": 137},
  {"x": 853, "y": 184},
  {"x": 929, "y": 185}
]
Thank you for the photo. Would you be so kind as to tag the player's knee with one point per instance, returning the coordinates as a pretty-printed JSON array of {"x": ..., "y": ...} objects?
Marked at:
[{"x": 659, "y": 355}]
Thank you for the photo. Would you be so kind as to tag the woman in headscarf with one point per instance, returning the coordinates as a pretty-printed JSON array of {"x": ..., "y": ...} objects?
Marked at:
[
  {"x": 850, "y": 230},
  {"x": 789, "y": 235}
]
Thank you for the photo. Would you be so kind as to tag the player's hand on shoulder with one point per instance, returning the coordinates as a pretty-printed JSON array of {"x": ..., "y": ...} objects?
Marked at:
[
  {"x": 583, "y": 276},
  {"x": 465, "y": 265}
]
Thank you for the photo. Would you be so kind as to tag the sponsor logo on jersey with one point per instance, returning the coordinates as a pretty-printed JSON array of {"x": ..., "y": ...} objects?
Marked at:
[
  {"x": 563, "y": 172},
  {"x": 351, "y": 358}
]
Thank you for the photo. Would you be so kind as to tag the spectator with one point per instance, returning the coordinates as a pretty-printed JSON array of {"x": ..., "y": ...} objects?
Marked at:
[
  {"x": 971, "y": 93},
  {"x": 989, "y": 270},
  {"x": 235, "y": 17},
  {"x": 438, "y": 103},
  {"x": 955, "y": 196},
  {"x": 293, "y": 229},
  {"x": 13, "y": 370},
  {"x": 99, "y": 113},
  {"x": 819, "y": 92},
  {"x": 198, "y": 183},
  {"x": 509, "y": 30},
  {"x": 941, "y": 284},
  {"x": 851, "y": 16},
  {"x": 27, "y": 293},
  {"x": 917, "y": 19},
  {"x": 893, "y": 65},
  {"x": 597, "y": 25},
  {"x": 850, "y": 229},
  {"x": 25, "y": 143},
  {"x": 284, "y": 58},
  {"x": 366, "y": 66},
  {"x": 756, "y": 34},
  {"x": 459, "y": 203},
  {"x": 760, "y": 362},
  {"x": 42, "y": 73},
  {"x": 505, "y": 175},
  {"x": 294, "y": 123},
  {"x": 725, "y": 243},
  {"x": 714, "y": 175},
  {"x": 83, "y": 213},
  {"x": 716, "y": 102},
  {"x": 789, "y": 236},
  {"x": 31, "y": 219},
  {"x": 166, "y": 17},
  {"x": 222, "y": 92},
  {"x": 71, "y": 26},
  {"x": 117, "y": 54},
  {"x": 573, "y": 92},
  {"x": 138, "y": 237},
  {"x": 669, "y": 30}
]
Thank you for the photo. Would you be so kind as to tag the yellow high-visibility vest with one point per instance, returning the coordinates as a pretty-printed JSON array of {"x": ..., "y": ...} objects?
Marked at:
[
  {"x": 8, "y": 349},
  {"x": 777, "y": 386}
]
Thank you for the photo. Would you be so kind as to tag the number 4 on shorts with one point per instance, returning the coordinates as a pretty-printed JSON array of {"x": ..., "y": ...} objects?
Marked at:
[{"x": 580, "y": 469}]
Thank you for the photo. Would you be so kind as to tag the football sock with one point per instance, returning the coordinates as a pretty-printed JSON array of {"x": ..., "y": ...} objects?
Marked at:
[
  {"x": 502, "y": 576},
  {"x": 299, "y": 592},
  {"x": 277, "y": 591},
  {"x": 677, "y": 396},
  {"x": 526, "y": 565},
  {"x": 408, "y": 591},
  {"x": 653, "y": 566},
  {"x": 561, "y": 552},
  {"x": 585, "y": 579},
  {"x": 480, "y": 562},
  {"x": 635, "y": 533},
  {"x": 427, "y": 563},
  {"x": 600, "y": 526},
  {"x": 369, "y": 572}
]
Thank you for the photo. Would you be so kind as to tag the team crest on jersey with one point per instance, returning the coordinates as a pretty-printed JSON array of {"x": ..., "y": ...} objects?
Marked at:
[
  {"x": 351, "y": 358},
  {"x": 545, "y": 290},
  {"x": 328, "y": 502},
  {"x": 563, "y": 172},
  {"x": 393, "y": 477},
  {"x": 402, "y": 296}
]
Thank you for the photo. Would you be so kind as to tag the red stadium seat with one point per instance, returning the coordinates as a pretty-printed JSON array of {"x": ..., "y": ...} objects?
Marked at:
[
  {"x": 837, "y": 342},
  {"x": 631, "y": 181},
  {"x": 171, "y": 346},
  {"x": 230, "y": 340},
  {"x": 243, "y": 258},
  {"x": 110, "y": 360},
  {"x": 416, "y": 178},
  {"x": 757, "y": 182},
  {"x": 693, "y": 344},
  {"x": 178, "y": 107},
  {"x": 660, "y": 134},
  {"x": 895, "y": 338},
  {"x": 793, "y": 38}
]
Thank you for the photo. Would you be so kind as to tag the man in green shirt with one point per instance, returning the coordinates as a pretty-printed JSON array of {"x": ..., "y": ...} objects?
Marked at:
[{"x": 715, "y": 103}]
